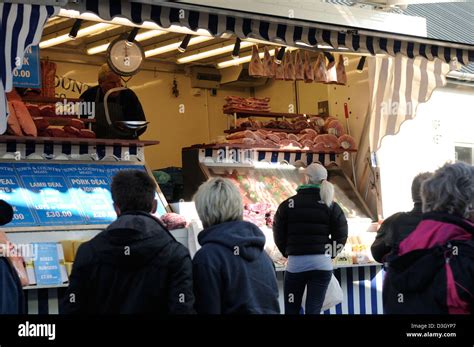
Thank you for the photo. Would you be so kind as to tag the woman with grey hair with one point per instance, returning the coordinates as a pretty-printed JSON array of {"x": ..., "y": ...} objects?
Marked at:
[
  {"x": 232, "y": 272},
  {"x": 434, "y": 269}
]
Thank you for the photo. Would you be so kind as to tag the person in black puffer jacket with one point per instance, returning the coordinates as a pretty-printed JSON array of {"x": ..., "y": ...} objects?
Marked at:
[
  {"x": 135, "y": 266},
  {"x": 398, "y": 226},
  {"x": 232, "y": 272},
  {"x": 310, "y": 229}
]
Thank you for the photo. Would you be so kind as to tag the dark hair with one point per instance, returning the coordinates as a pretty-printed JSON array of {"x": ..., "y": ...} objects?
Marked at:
[
  {"x": 133, "y": 190},
  {"x": 6, "y": 212},
  {"x": 416, "y": 185}
]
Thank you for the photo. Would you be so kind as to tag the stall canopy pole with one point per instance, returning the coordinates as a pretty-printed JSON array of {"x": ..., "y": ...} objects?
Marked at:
[
  {"x": 21, "y": 26},
  {"x": 397, "y": 86}
]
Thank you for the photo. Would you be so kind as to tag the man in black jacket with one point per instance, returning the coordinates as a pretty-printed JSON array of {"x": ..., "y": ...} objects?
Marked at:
[
  {"x": 398, "y": 226},
  {"x": 135, "y": 265}
]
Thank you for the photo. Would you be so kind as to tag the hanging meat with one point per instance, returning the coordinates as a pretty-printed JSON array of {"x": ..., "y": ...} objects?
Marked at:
[
  {"x": 279, "y": 69},
  {"x": 331, "y": 73},
  {"x": 256, "y": 65},
  {"x": 320, "y": 69},
  {"x": 289, "y": 66},
  {"x": 341, "y": 71},
  {"x": 299, "y": 66},
  {"x": 308, "y": 69},
  {"x": 268, "y": 66}
]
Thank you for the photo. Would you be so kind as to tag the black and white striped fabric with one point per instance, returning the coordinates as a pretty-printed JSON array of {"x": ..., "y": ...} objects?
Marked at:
[
  {"x": 21, "y": 26},
  {"x": 279, "y": 30}
]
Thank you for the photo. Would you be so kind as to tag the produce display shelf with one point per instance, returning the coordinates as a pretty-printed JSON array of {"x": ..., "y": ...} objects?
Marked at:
[
  {"x": 244, "y": 113},
  {"x": 75, "y": 141}
]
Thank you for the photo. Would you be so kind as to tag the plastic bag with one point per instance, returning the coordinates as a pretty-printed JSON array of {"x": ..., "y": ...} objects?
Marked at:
[{"x": 333, "y": 296}]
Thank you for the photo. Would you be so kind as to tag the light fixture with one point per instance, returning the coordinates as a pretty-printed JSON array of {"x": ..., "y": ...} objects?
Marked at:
[
  {"x": 75, "y": 28},
  {"x": 236, "y": 50},
  {"x": 173, "y": 46},
  {"x": 133, "y": 34},
  {"x": 246, "y": 59},
  {"x": 81, "y": 33},
  {"x": 184, "y": 44},
  {"x": 211, "y": 53},
  {"x": 140, "y": 37},
  {"x": 360, "y": 65},
  {"x": 280, "y": 55}
]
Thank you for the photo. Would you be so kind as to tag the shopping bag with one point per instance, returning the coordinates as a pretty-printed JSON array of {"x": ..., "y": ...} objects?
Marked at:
[{"x": 333, "y": 296}]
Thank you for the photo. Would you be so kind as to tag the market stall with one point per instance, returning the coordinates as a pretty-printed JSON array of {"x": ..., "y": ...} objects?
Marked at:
[{"x": 240, "y": 134}]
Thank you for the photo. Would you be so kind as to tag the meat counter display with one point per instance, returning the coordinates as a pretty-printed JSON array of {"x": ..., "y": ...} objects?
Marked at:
[{"x": 263, "y": 186}]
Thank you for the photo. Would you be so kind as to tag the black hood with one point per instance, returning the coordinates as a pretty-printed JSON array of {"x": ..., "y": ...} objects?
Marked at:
[
  {"x": 239, "y": 236},
  {"x": 133, "y": 240}
]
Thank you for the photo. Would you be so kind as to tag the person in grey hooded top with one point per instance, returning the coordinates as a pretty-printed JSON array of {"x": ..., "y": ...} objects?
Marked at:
[
  {"x": 232, "y": 272},
  {"x": 135, "y": 266}
]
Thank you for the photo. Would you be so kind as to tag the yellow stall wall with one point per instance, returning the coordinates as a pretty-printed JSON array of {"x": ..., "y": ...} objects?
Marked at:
[{"x": 191, "y": 118}]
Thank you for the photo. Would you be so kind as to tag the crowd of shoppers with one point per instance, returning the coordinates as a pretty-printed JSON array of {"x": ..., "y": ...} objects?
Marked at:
[{"x": 137, "y": 266}]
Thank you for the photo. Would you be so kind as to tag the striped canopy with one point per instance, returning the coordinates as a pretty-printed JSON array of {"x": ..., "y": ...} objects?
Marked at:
[
  {"x": 21, "y": 26},
  {"x": 279, "y": 30}
]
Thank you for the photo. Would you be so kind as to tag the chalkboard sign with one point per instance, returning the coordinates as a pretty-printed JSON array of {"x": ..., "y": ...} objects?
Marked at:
[{"x": 61, "y": 194}]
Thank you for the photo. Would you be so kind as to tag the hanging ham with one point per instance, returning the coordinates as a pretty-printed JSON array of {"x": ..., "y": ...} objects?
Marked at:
[
  {"x": 341, "y": 71},
  {"x": 308, "y": 69},
  {"x": 268, "y": 66},
  {"x": 279, "y": 68},
  {"x": 299, "y": 67},
  {"x": 256, "y": 65},
  {"x": 289, "y": 67},
  {"x": 331, "y": 73},
  {"x": 320, "y": 69}
]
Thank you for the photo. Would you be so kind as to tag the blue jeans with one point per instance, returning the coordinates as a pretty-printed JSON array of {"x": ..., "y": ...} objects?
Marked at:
[{"x": 316, "y": 281}]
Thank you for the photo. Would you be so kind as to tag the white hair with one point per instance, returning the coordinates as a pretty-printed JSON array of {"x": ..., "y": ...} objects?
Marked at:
[
  {"x": 326, "y": 190},
  {"x": 217, "y": 201},
  {"x": 450, "y": 190}
]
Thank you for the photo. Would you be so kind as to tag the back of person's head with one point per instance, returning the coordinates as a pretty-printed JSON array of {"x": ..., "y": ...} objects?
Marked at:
[
  {"x": 450, "y": 190},
  {"x": 218, "y": 201},
  {"x": 103, "y": 72},
  {"x": 317, "y": 174},
  {"x": 416, "y": 185},
  {"x": 6, "y": 212},
  {"x": 133, "y": 190}
]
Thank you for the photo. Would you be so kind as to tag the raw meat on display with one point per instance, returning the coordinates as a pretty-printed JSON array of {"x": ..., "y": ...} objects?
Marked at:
[
  {"x": 292, "y": 137},
  {"x": 307, "y": 144},
  {"x": 308, "y": 69},
  {"x": 173, "y": 221},
  {"x": 34, "y": 110},
  {"x": 299, "y": 66},
  {"x": 289, "y": 67},
  {"x": 346, "y": 142},
  {"x": 237, "y": 135},
  {"x": 335, "y": 128},
  {"x": 27, "y": 125},
  {"x": 72, "y": 131},
  {"x": 256, "y": 66},
  {"x": 76, "y": 123},
  {"x": 341, "y": 71},
  {"x": 41, "y": 123},
  {"x": 310, "y": 132},
  {"x": 268, "y": 66},
  {"x": 248, "y": 141},
  {"x": 247, "y": 104},
  {"x": 331, "y": 73},
  {"x": 86, "y": 133},
  {"x": 319, "y": 121},
  {"x": 14, "y": 127},
  {"x": 56, "y": 132},
  {"x": 47, "y": 111},
  {"x": 279, "y": 68},
  {"x": 320, "y": 69}
]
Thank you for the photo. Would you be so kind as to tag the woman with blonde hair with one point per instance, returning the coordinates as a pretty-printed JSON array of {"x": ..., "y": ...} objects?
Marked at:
[
  {"x": 232, "y": 272},
  {"x": 310, "y": 229}
]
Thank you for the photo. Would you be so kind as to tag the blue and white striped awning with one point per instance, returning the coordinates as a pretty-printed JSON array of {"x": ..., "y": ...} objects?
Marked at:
[
  {"x": 274, "y": 29},
  {"x": 21, "y": 26}
]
